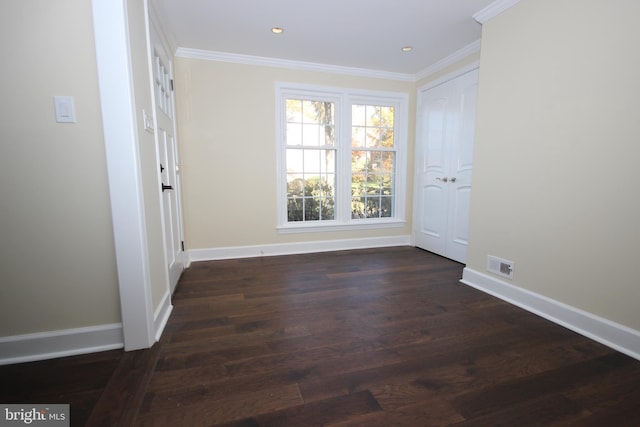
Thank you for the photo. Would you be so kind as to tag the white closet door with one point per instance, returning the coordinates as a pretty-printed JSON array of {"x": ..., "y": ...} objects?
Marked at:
[
  {"x": 168, "y": 157},
  {"x": 444, "y": 156}
]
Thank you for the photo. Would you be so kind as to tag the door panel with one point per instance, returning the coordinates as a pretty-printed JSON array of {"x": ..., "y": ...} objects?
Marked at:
[
  {"x": 168, "y": 156},
  {"x": 445, "y": 162}
]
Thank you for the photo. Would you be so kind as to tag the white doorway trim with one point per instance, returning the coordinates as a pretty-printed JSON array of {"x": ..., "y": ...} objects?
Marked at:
[{"x": 123, "y": 167}]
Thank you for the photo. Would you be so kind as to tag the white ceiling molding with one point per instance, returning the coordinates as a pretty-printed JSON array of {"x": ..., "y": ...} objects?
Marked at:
[
  {"x": 456, "y": 56},
  {"x": 235, "y": 58},
  {"x": 493, "y": 9}
]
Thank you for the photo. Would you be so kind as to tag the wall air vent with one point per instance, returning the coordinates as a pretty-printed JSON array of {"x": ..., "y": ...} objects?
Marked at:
[{"x": 500, "y": 266}]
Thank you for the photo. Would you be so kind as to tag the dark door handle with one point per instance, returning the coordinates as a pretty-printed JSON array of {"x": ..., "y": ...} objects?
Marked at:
[{"x": 166, "y": 187}]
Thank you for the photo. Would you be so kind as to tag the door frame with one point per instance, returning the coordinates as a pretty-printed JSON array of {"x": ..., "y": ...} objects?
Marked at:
[
  {"x": 115, "y": 81},
  {"x": 420, "y": 134}
]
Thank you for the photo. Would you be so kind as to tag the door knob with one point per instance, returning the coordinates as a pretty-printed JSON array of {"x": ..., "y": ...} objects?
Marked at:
[
  {"x": 166, "y": 187},
  {"x": 445, "y": 179},
  {"x": 453, "y": 179}
]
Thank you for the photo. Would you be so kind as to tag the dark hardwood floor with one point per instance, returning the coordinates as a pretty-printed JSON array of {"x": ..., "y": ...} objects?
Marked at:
[{"x": 379, "y": 337}]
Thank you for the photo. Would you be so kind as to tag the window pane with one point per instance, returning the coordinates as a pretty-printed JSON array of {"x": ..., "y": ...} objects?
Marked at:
[
  {"x": 294, "y": 111},
  {"x": 358, "y": 161},
  {"x": 295, "y": 160},
  {"x": 373, "y": 115},
  {"x": 310, "y": 135},
  {"x": 373, "y": 138},
  {"x": 358, "y": 184},
  {"x": 374, "y": 161},
  {"x": 388, "y": 162},
  {"x": 294, "y": 134},
  {"x": 324, "y": 112},
  {"x": 328, "y": 209},
  {"x": 312, "y": 161},
  {"x": 386, "y": 207},
  {"x": 328, "y": 161},
  {"x": 386, "y": 184},
  {"x": 373, "y": 185},
  {"x": 312, "y": 210},
  {"x": 295, "y": 186},
  {"x": 358, "y": 136},
  {"x": 309, "y": 112},
  {"x": 294, "y": 209},
  {"x": 372, "y": 209},
  {"x": 357, "y": 208},
  {"x": 328, "y": 135},
  {"x": 386, "y": 137},
  {"x": 358, "y": 117},
  {"x": 386, "y": 115}
]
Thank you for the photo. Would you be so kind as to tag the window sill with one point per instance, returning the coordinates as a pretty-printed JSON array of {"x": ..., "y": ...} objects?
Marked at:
[{"x": 305, "y": 227}]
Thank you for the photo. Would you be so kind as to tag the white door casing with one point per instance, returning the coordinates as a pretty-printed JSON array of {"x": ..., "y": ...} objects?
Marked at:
[
  {"x": 168, "y": 168},
  {"x": 124, "y": 171},
  {"x": 444, "y": 155}
]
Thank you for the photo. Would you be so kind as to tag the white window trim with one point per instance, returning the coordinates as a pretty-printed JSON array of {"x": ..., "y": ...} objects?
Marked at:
[{"x": 344, "y": 98}]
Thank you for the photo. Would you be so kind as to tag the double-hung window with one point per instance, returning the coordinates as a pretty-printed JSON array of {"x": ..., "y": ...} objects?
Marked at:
[{"x": 341, "y": 158}]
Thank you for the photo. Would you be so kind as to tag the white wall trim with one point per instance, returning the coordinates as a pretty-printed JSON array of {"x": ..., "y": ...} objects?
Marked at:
[
  {"x": 161, "y": 316},
  {"x": 69, "y": 342},
  {"x": 604, "y": 331},
  {"x": 493, "y": 9},
  {"x": 195, "y": 255},
  {"x": 449, "y": 76},
  {"x": 450, "y": 60},
  {"x": 115, "y": 83},
  {"x": 236, "y": 58}
]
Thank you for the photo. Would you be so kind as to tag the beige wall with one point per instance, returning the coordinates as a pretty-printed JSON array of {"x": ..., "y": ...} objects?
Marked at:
[
  {"x": 556, "y": 157},
  {"x": 226, "y": 129},
  {"x": 56, "y": 253}
]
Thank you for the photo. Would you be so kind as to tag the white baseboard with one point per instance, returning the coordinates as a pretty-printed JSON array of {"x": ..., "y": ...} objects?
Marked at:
[
  {"x": 195, "y": 255},
  {"x": 69, "y": 342},
  {"x": 604, "y": 331},
  {"x": 161, "y": 316}
]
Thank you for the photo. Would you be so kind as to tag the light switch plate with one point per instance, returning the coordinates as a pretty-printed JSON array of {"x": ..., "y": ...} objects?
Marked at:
[
  {"x": 148, "y": 121},
  {"x": 65, "y": 112}
]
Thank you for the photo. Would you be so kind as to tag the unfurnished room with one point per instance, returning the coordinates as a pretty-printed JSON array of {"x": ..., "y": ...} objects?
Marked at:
[{"x": 338, "y": 213}]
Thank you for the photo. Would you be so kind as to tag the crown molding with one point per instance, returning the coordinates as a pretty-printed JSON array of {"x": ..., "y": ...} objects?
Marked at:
[
  {"x": 456, "y": 56},
  {"x": 493, "y": 9},
  {"x": 235, "y": 58}
]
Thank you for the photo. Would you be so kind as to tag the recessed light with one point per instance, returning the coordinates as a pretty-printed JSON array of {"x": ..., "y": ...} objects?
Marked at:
[
  {"x": 407, "y": 48},
  {"x": 277, "y": 30}
]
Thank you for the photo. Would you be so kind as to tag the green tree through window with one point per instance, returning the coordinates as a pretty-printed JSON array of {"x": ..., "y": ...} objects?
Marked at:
[
  {"x": 310, "y": 158},
  {"x": 372, "y": 161}
]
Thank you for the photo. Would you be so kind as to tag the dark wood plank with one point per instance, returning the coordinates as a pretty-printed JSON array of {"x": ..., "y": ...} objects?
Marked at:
[
  {"x": 77, "y": 380},
  {"x": 319, "y": 413},
  {"x": 372, "y": 337},
  {"x": 122, "y": 397}
]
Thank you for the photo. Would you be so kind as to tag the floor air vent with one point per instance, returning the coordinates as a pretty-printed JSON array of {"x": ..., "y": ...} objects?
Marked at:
[{"x": 500, "y": 266}]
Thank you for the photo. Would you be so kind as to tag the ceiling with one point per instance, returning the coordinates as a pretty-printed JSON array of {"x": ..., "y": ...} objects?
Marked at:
[{"x": 366, "y": 34}]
